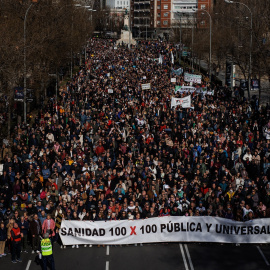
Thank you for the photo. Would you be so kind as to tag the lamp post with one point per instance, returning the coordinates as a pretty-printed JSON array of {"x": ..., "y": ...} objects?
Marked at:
[
  {"x": 210, "y": 41},
  {"x": 180, "y": 19},
  {"x": 129, "y": 22},
  {"x": 24, "y": 62},
  {"x": 250, "y": 45},
  {"x": 146, "y": 27},
  {"x": 72, "y": 27},
  {"x": 192, "y": 40}
]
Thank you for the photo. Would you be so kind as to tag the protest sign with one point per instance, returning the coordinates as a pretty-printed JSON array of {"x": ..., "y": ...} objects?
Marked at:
[
  {"x": 146, "y": 86},
  {"x": 178, "y": 71},
  {"x": 184, "y": 102},
  {"x": 110, "y": 91},
  {"x": 184, "y": 89},
  {"x": 173, "y": 80},
  {"x": 165, "y": 229},
  {"x": 192, "y": 78}
]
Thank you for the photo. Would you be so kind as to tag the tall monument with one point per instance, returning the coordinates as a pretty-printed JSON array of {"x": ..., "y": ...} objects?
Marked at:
[{"x": 126, "y": 34}]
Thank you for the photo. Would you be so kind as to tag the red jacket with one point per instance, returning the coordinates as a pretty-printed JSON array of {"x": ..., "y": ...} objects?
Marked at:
[{"x": 15, "y": 234}]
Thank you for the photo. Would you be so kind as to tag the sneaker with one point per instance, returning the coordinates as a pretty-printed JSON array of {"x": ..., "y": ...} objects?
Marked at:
[
  {"x": 90, "y": 245},
  {"x": 64, "y": 246},
  {"x": 19, "y": 260},
  {"x": 141, "y": 244},
  {"x": 61, "y": 247},
  {"x": 73, "y": 246},
  {"x": 85, "y": 245},
  {"x": 4, "y": 254},
  {"x": 77, "y": 246},
  {"x": 33, "y": 251},
  {"x": 13, "y": 261}
]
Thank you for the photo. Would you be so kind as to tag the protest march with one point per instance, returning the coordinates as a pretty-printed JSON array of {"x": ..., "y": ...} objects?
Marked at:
[{"x": 137, "y": 149}]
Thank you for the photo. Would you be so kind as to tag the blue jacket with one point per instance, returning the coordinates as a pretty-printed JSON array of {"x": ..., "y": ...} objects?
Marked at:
[
  {"x": 26, "y": 227},
  {"x": 3, "y": 234}
]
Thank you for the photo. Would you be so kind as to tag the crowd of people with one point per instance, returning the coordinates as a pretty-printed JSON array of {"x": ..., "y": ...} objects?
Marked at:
[{"x": 108, "y": 150}]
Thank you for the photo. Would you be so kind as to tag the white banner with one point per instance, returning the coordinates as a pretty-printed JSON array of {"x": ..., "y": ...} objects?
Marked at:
[
  {"x": 165, "y": 229},
  {"x": 172, "y": 57},
  {"x": 173, "y": 80},
  {"x": 185, "y": 89},
  {"x": 146, "y": 86},
  {"x": 184, "y": 102},
  {"x": 192, "y": 78}
]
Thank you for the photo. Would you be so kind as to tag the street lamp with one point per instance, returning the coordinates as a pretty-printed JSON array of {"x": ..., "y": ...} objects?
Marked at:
[
  {"x": 250, "y": 48},
  {"x": 146, "y": 27},
  {"x": 180, "y": 19},
  {"x": 129, "y": 28},
  {"x": 24, "y": 59},
  {"x": 210, "y": 40}
]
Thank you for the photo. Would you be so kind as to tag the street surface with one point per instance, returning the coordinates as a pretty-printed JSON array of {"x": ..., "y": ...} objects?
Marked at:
[{"x": 153, "y": 256}]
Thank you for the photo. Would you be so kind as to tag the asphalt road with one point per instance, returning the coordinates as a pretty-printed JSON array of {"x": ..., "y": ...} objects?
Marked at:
[{"x": 153, "y": 256}]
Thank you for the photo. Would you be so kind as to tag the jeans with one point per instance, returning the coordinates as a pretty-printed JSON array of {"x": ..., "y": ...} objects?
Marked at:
[
  {"x": 48, "y": 260},
  {"x": 15, "y": 250}
]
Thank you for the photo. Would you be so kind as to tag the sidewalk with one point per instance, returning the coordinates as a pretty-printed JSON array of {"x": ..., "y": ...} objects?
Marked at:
[
  {"x": 221, "y": 75},
  {"x": 265, "y": 92}
]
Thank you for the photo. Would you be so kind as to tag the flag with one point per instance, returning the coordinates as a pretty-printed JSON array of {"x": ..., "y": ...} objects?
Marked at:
[
  {"x": 160, "y": 60},
  {"x": 178, "y": 71}
]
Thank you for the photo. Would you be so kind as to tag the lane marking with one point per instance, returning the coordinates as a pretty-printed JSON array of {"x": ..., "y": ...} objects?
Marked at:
[
  {"x": 108, "y": 251},
  {"x": 184, "y": 256},
  {"x": 28, "y": 265},
  {"x": 265, "y": 260},
  {"x": 189, "y": 258},
  {"x": 107, "y": 265}
]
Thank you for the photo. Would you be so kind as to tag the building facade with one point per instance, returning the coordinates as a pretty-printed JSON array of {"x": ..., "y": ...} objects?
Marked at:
[
  {"x": 153, "y": 17},
  {"x": 118, "y": 4}
]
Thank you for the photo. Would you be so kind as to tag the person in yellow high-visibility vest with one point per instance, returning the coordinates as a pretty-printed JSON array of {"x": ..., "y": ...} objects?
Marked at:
[{"x": 46, "y": 251}]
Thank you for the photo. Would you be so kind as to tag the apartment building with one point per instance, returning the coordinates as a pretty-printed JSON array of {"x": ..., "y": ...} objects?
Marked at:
[
  {"x": 118, "y": 4},
  {"x": 152, "y": 17}
]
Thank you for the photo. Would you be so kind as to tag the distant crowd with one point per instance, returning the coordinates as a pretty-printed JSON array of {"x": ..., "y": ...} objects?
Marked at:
[{"x": 108, "y": 150}]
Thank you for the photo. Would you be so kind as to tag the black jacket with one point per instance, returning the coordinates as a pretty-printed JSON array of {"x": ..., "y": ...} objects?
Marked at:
[{"x": 3, "y": 234}]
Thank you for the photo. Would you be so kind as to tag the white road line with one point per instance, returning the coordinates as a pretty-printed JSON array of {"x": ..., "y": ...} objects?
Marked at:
[
  {"x": 189, "y": 258},
  {"x": 28, "y": 265},
  {"x": 265, "y": 260},
  {"x": 108, "y": 251},
  {"x": 107, "y": 265},
  {"x": 184, "y": 256}
]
